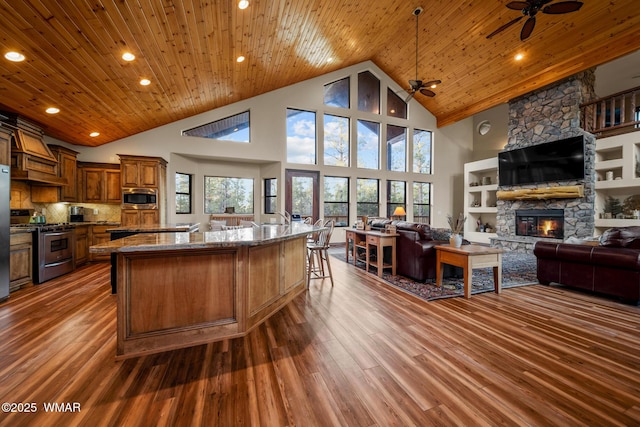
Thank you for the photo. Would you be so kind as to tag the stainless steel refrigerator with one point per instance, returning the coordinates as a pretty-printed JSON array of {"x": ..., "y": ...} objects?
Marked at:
[{"x": 4, "y": 231}]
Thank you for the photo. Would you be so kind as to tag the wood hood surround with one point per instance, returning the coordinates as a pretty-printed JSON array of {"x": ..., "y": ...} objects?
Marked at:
[{"x": 31, "y": 159}]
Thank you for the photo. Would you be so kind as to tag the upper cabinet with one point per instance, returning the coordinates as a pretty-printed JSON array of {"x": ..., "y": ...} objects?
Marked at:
[
  {"x": 141, "y": 172},
  {"x": 5, "y": 145},
  {"x": 67, "y": 169},
  {"x": 99, "y": 182}
]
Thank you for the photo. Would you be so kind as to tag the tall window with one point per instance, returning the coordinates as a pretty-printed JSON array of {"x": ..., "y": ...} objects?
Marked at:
[
  {"x": 422, "y": 151},
  {"x": 221, "y": 193},
  {"x": 422, "y": 202},
  {"x": 336, "y": 94},
  {"x": 301, "y": 136},
  {"x": 368, "y": 197},
  {"x": 234, "y": 128},
  {"x": 183, "y": 193},
  {"x": 270, "y": 195},
  {"x": 396, "y": 148},
  {"x": 368, "y": 145},
  {"x": 396, "y": 196},
  {"x": 336, "y": 200},
  {"x": 336, "y": 140},
  {"x": 396, "y": 107},
  {"x": 368, "y": 93}
]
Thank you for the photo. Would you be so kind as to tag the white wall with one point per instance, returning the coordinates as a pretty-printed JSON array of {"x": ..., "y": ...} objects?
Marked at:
[{"x": 266, "y": 154}]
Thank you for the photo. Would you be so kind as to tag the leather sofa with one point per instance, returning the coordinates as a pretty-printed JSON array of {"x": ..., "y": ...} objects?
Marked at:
[
  {"x": 415, "y": 247},
  {"x": 610, "y": 267}
]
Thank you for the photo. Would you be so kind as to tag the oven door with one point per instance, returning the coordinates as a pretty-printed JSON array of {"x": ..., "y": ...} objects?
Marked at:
[{"x": 57, "y": 246}]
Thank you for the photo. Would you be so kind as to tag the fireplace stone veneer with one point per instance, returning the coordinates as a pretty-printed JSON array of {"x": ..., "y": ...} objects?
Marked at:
[{"x": 550, "y": 114}]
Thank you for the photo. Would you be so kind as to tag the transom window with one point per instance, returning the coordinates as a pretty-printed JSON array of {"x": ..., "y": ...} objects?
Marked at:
[
  {"x": 234, "y": 128},
  {"x": 396, "y": 148},
  {"x": 368, "y": 145},
  {"x": 368, "y": 93},
  {"x": 336, "y": 140},
  {"x": 301, "y": 136},
  {"x": 336, "y": 94},
  {"x": 422, "y": 151},
  {"x": 221, "y": 193}
]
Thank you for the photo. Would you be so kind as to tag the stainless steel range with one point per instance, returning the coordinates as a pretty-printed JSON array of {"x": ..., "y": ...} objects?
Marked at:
[{"x": 53, "y": 247}]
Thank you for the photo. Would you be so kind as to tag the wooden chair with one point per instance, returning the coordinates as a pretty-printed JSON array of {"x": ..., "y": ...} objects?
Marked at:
[{"x": 318, "y": 255}]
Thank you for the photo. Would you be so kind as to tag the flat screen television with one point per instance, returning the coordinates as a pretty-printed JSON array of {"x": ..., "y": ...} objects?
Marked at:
[{"x": 561, "y": 160}]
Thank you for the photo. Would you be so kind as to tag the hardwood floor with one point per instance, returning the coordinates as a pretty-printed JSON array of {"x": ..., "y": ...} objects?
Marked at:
[{"x": 358, "y": 354}]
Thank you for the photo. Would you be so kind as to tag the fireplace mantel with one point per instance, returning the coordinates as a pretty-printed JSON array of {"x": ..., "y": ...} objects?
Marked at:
[{"x": 563, "y": 192}]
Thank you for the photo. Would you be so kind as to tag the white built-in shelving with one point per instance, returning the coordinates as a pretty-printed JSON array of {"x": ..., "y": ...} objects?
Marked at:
[
  {"x": 617, "y": 176},
  {"x": 480, "y": 187}
]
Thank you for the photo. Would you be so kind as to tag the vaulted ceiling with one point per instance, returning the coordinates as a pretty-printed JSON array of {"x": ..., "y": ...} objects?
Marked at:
[{"x": 188, "y": 50}]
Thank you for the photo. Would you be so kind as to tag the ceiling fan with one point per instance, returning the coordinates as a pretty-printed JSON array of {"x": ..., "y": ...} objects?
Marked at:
[
  {"x": 418, "y": 85},
  {"x": 531, "y": 8}
]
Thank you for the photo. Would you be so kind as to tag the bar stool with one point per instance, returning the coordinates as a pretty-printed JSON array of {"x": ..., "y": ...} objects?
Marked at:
[{"x": 317, "y": 255}]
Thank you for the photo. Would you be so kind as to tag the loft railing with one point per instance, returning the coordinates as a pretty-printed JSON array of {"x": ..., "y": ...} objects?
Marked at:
[{"x": 614, "y": 114}]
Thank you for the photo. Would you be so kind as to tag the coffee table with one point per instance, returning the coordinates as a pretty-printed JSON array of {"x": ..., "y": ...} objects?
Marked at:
[{"x": 469, "y": 257}]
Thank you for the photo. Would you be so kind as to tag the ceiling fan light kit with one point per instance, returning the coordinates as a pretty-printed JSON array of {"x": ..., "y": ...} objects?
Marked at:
[
  {"x": 418, "y": 85},
  {"x": 531, "y": 8}
]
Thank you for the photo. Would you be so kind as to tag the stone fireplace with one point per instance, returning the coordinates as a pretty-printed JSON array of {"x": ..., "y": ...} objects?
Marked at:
[{"x": 549, "y": 114}]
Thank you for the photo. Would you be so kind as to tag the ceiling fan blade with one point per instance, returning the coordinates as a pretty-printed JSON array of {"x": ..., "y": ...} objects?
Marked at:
[
  {"x": 431, "y": 83},
  {"x": 427, "y": 92},
  {"x": 504, "y": 27},
  {"x": 411, "y": 95},
  {"x": 527, "y": 28},
  {"x": 562, "y": 7},
  {"x": 518, "y": 5}
]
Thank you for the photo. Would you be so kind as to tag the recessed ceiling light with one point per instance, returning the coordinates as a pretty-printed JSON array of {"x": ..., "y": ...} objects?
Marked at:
[
  {"x": 52, "y": 110},
  {"x": 128, "y": 56},
  {"x": 243, "y": 4},
  {"x": 240, "y": 58},
  {"x": 518, "y": 57},
  {"x": 94, "y": 134},
  {"x": 14, "y": 56},
  {"x": 145, "y": 82}
]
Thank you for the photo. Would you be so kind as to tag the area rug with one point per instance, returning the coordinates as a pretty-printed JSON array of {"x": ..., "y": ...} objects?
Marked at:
[{"x": 518, "y": 269}]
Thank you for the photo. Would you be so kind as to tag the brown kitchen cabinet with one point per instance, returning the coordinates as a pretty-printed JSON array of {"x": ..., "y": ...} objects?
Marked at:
[
  {"x": 67, "y": 168},
  {"x": 135, "y": 217},
  {"x": 141, "y": 172},
  {"x": 20, "y": 260},
  {"x": 98, "y": 234},
  {"x": 5, "y": 145},
  {"x": 82, "y": 244},
  {"x": 99, "y": 182}
]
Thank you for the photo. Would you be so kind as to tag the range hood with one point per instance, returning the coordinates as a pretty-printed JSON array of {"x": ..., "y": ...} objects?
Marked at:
[{"x": 31, "y": 159}]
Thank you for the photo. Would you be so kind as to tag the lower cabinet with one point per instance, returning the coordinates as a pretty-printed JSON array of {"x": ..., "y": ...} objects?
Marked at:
[
  {"x": 82, "y": 244},
  {"x": 134, "y": 217},
  {"x": 20, "y": 260},
  {"x": 98, "y": 234}
]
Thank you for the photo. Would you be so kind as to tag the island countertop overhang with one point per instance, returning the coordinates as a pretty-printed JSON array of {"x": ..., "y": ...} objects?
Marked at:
[{"x": 253, "y": 236}]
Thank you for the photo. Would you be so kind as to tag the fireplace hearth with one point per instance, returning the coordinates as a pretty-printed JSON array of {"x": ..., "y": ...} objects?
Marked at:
[{"x": 545, "y": 223}]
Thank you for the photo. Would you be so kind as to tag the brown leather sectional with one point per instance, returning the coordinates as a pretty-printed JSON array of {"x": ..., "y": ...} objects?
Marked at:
[{"x": 610, "y": 268}]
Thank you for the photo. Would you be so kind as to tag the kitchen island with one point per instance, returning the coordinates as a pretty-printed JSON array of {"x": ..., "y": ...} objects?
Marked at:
[{"x": 177, "y": 290}]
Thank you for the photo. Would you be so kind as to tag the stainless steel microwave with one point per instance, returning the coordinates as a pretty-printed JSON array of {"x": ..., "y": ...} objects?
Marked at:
[{"x": 139, "y": 198}]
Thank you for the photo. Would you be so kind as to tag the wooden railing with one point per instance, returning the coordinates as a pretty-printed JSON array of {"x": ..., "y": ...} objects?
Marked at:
[{"x": 614, "y": 114}]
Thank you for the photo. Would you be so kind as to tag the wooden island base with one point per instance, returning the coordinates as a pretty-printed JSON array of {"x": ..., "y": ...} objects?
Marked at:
[{"x": 170, "y": 299}]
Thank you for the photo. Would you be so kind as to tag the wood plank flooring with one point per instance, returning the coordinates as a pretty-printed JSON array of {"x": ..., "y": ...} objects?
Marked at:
[{"x": 358, "y": 354}]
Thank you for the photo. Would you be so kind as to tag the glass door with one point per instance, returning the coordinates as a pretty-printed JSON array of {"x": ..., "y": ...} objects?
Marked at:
[{"x": 302, "y": 193}]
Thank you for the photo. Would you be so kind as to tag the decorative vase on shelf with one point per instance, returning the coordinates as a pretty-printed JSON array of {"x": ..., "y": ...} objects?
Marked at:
[{"x": 455, "y": 240}]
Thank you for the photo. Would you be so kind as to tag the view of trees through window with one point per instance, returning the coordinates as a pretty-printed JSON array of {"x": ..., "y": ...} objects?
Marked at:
[
  {"x": 222, "y": 192},
  {"x": 421, "y": 151},
  {"x": 422, "y": 202},
  {"x": 336, "y": 200},
  {"x": 368, "y": 145},
  {"x": 183, "y": 193},
  {"x": 368, "y": 197},
  {"x": 336, "y": 140},
  {"x": 396, "y": 196},
  {"x": 396, "y": 148},
  {"x": 302, "y": 196},
  {"x": 270, "y": 195}
]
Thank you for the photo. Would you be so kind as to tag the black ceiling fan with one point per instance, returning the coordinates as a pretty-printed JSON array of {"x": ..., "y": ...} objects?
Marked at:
[
  {"x": 531, "y": 8},
  {"x": 418, "y": 85}
]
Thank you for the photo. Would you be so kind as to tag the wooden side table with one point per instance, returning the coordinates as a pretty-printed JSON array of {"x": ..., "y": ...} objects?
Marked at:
[
  {"x": 364, "y": 239},
  {"x": 469, "y": 257}
]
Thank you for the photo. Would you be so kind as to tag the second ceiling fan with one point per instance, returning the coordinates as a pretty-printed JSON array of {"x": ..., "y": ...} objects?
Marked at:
[
  {"x": 531, "y": 8},
  {"x": 418, "y": 85}
]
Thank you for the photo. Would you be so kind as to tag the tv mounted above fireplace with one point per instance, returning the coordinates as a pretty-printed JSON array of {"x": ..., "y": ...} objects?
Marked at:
[{"x": 561, "y": 160}]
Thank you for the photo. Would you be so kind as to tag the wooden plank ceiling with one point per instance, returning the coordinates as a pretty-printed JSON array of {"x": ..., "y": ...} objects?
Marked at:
[{"x": 188, "y": 49}]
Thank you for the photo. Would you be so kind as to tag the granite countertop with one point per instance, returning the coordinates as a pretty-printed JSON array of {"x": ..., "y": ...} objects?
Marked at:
[
  {"x": 254, "y": 236},
  {"x": 155, "y": 228}
]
